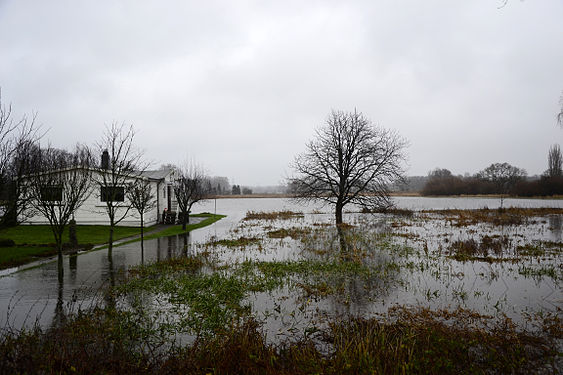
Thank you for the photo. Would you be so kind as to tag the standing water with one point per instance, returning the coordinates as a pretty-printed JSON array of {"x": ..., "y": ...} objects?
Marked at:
[{"x": 29, "y": 296}]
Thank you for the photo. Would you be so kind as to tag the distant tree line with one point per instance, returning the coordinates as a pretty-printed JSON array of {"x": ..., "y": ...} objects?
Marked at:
[{"x": 499, "y": 178}]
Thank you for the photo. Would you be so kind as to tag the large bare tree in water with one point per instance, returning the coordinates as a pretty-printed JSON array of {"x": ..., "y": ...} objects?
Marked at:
[{"x": 349, "y": 161}]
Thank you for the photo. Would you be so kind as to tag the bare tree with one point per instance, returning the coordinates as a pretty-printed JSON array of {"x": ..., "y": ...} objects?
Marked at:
[
  {"x": 555, "y": 162},
  {"x": 17, "y": 151},
  {"x": 141, "y": 198},
  {"x": 60, "y": 188},
  {"x": 120, "y": 163},
  {"x": 189, "y": 188},
  {"x": 349, "y": 161},
  {"x": 504, "y": 176}
]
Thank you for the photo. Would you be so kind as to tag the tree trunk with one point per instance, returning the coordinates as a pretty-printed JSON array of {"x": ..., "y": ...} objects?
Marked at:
[
  {"x": 60, "y": 267},
  {"x": 338, "y": 211},
  {"x": 142, "y": 240},
  {"x": 343, "y": 245},
  {"x": 184, "y": 220},
  {"x": 72, "y": 238}
]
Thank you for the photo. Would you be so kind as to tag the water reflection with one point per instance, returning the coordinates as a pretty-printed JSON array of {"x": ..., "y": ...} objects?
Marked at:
[
  {"x": 73, "y": 266},
  {"x": 187, "y": 243},
  {"x": 109, "y": 297},
  {"x": 59, "y": 313},
  {"x": 555, "y": 225}
]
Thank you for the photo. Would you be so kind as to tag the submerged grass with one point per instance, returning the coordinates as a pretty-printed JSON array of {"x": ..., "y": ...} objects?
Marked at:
[
  {"x": 207, "y": 301},
  {"x": 277, "y": 215},
  {"x": 489, "y": 249},
  {"x": 236, "y": 242},
  {"x": 293, "y": 232},
  {"x": 505, "y": 216},
  {"x": 540, "y": 248},
  {"x": 203, "y": 303}
]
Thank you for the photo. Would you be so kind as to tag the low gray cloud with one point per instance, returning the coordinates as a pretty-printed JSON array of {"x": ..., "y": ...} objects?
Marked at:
[{"x": 241, "y": 86}]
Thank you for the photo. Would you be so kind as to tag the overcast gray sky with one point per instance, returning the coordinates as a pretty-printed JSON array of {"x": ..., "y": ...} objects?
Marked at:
[{"x": 240, "y": 86}]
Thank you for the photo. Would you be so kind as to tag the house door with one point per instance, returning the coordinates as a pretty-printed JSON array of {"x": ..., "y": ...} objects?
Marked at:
[{"x": 169, "y": 196}]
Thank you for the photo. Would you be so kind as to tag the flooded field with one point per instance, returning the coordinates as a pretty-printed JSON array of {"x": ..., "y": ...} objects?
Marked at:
[
  {"x": 292, "y": 275},
  {"x": 292, "y": 271}
]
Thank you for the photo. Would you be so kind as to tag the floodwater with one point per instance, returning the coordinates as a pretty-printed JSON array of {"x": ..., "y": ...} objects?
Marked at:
[{"x": 29, "y": 296}]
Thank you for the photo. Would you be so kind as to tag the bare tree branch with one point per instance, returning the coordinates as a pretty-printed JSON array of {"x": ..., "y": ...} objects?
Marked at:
[
  {"x": 142, "y": 198},
  {"x": 18, "y": 151},
  {"x": 190, "y": 187},
  {"x": 120, "y": 163},
  {"x": 59, "y": 187}
]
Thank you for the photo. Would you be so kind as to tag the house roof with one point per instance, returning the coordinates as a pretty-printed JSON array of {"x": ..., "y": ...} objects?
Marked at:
[
  {"x": 151, "y": 175},
  {"x": 157, "y": 174}
]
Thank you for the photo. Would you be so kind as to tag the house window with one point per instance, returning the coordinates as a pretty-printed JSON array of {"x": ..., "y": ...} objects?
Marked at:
[
  {"x": 51, "y": 193},
  {"x": 112, "y": 194}
]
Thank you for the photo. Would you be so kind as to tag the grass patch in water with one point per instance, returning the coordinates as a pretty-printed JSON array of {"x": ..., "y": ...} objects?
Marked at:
[
  {"x": 293, "y": 232},
  {"x": 208, "y": 301},
  {"x": 505, "y": 216},
  {"x": 540, "y": 248},
  {"x": 203, "y": 303},
  {"x": 538, "y": 272},
  {"x": 489, "y": 249},
  {"x": 276, "y": 215},
  {"x": 236, "y": 242}
]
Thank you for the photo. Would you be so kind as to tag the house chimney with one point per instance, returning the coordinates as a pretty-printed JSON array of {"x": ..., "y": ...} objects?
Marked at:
[{"x": 105, "y": 159}]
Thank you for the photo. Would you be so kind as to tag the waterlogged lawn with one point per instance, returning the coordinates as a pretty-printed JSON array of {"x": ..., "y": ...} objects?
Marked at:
[
  {"x": 33, "y": 241},
  {"x": 42, "y": 234},
  {"x": 207, "y": 302},
  {"x": 20, "y": 254}
]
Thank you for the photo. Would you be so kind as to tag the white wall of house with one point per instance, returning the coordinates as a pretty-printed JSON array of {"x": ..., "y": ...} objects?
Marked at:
[{"x": 93, "y": 210}]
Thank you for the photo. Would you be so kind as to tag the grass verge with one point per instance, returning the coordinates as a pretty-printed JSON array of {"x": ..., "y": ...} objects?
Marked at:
[{"x": 177, "y": 229}]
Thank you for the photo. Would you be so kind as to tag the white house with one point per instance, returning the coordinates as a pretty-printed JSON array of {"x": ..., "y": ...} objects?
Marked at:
[{"x": 93, "y": 210}]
